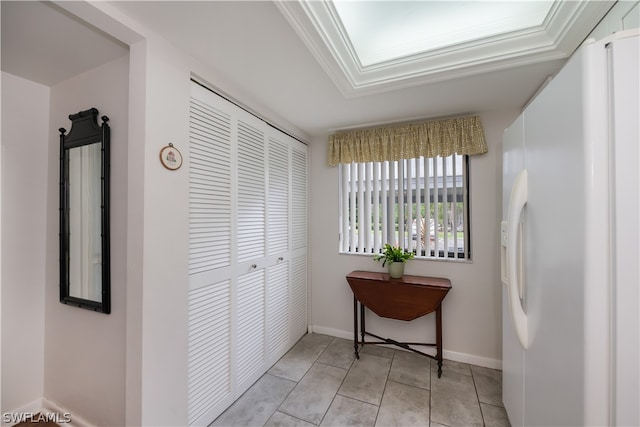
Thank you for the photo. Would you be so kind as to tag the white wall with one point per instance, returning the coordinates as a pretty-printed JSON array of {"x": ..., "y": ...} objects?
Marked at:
[
  {"x": 472, "y": 309},
  {"x": 25, "y": 138},
  {"x": 165, "y": 240},
  {"x": 84, "y": 352}
]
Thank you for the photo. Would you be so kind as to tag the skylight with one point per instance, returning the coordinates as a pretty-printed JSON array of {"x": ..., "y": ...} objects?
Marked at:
[{"x": 381, "y": 31}]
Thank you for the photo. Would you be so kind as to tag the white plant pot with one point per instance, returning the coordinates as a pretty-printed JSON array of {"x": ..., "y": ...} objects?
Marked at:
[{"x": 396, "y": 269}]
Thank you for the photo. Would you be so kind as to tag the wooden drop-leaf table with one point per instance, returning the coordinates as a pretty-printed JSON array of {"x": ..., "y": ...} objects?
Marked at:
[{"x": 407, "y": 298}]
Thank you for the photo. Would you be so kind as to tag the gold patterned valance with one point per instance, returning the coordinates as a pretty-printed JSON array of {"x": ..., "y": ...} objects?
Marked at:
[{"x": 463, "y": 135}]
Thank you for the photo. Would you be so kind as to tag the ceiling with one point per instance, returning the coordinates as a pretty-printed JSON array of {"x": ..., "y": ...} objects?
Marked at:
[
  {"x": 41, "y": 42},
  {"x": 298, "y": 60}
]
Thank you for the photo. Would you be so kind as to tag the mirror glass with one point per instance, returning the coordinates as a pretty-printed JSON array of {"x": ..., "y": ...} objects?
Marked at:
[
  {"x": 84, "y": 213},
  {"x": 85, "y": 240}
]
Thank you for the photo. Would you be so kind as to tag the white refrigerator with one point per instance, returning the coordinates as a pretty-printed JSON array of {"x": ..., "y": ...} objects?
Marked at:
[{"x": 570, "y": 244}]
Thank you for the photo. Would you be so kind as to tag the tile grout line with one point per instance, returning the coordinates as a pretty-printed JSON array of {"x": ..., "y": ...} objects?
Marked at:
[
  {"x": 345, "y": 376},
  {"x": 384, "y": 389},
  {"x": 283, "y": 400},
  {"x": 475, "y": 388},
  {"x": 342, "y": 382},
  {"x": 298, "y": 382},
  {"x": 430, "y": 392},
  {"x": 355, "y": 398},
  {"x": 358, "y": 400}
]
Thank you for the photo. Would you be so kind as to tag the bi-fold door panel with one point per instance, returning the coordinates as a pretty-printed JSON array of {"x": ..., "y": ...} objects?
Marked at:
[
  {"x": 278, "y": 193},
  {"x": 210, "y": 382},
  {"x": 298, "y": 296},
  {"x": 250, "y": 251}
]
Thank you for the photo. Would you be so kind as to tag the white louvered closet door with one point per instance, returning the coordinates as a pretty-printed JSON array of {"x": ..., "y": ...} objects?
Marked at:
[
  {"x": 250, "y": 250},
  {"x": 278, "y": 247},
  {"x": 247, "y": 254},
  {"x": 299, "y": 237},
  {"x": 210, "y": 232}
]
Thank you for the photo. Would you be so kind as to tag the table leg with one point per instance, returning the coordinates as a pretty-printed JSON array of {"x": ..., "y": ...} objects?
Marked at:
[
  {"x": 439, "y": 339},
  {"x": 362, "y": 326},
  {"x": 355, "y": 326}
]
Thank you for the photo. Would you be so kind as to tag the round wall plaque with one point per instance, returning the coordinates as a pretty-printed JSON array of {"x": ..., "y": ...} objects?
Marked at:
[{"x": 170, "y": 157}]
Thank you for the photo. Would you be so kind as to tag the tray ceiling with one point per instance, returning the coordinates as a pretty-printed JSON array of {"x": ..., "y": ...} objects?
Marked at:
[{"x": 374, "y": 46}]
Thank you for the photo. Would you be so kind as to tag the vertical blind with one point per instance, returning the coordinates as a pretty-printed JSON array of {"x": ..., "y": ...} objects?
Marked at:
[{"x": 417, "y": 204}]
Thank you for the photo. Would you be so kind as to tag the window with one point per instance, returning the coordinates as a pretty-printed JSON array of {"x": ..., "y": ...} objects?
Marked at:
[
  {"x": 389, "y": 194},
  {"x": 419, "y": 204}
]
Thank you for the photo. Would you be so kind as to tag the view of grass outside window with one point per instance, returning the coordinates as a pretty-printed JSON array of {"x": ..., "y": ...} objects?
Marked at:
[{"x": 418, "y": 204}]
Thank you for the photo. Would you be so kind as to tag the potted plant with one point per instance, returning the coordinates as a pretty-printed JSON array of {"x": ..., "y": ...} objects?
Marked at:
[{"x": 395, "y": 256}]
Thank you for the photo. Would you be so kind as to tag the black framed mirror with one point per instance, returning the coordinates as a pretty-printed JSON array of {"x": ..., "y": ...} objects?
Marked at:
[{"x": 85, "y": 279}]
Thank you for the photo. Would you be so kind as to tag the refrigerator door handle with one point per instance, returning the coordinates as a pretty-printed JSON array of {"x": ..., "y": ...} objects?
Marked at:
[
  {"x": 504, "y": 225},
  {"x": 516, "y": 205}
]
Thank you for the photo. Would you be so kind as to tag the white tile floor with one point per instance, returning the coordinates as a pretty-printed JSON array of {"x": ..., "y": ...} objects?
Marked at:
[{"x": 319, "y": 382}]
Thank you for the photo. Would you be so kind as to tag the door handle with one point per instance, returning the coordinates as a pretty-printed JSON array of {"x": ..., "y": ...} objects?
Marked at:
[{"x": 517, "y": 201}]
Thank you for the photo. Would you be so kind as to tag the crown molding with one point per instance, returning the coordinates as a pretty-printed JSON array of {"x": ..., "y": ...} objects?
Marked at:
[{"x": 318, "y": 25}]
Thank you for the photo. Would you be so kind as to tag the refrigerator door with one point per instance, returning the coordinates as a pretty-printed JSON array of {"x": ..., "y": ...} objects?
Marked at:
[
  {"x": 566, "y": 363},
  {"x": 554, "y": 252},
  {"x": 513, "y": 355},
  {"x": 625, "y": 77}
]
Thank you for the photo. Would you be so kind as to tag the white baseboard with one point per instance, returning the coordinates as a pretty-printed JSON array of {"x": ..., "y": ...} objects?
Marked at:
[
  {"x": 471, "y": 359},
  {"x": 11, "y": 417},
  {"x": 49, "y": 411},
  {"x": 332, "y": 332},
  {"x": 50, "y": 407}
]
